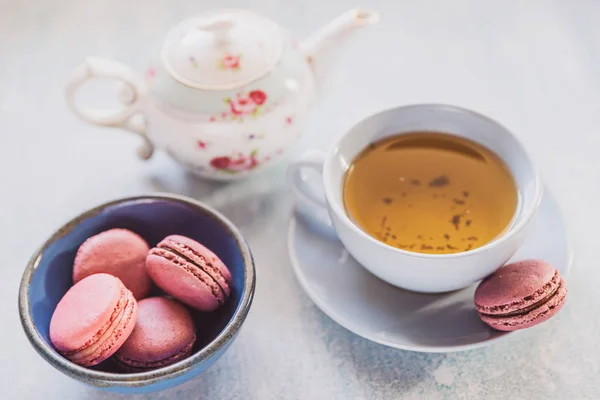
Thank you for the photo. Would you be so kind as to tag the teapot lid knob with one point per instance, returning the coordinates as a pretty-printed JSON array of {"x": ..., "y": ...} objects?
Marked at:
[
  {"x": 220, "y": 28},
  {"x": 222, "y": 49}
]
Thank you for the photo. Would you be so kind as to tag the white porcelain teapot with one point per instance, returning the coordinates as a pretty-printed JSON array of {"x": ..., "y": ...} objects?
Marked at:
[{"x": 227, "y": 94}]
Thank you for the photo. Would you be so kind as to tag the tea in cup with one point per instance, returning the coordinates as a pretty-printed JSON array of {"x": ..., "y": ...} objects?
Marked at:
[
  {"x": 430, "y": 192},
  {"x": 430, "y": 198}
]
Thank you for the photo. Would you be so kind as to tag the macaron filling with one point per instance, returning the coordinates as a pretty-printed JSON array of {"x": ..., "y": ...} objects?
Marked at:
[
  {"x": 535, "y": 299},
  {"x": 531, "y": 307},
  {"x": 99, "y": 348},
  {"x": 192, "y": 267}
]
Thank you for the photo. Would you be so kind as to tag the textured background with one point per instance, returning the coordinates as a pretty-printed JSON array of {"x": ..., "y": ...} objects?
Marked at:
[{"x": 534, "y": 66}]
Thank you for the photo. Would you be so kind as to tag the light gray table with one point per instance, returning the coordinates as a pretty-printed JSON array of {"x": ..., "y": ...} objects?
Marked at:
[{"x": 534, "y": 65}]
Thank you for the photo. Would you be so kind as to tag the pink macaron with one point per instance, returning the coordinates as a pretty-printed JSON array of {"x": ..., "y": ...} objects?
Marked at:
[
  {"x": 93, "y": 319},
  {"x": 163, "y": 335},
  {"x": 190, "y": 272},
  {"x": 118, "y": 252},
  {"x": 520, "y": 295}
]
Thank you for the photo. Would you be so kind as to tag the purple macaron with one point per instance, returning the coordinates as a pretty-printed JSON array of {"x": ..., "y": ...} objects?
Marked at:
[
  {"x": 520, "y": 295},
  {"x": 163, "y": 335}
]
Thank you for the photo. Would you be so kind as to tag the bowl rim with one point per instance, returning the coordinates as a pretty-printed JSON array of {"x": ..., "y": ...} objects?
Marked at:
[{"x": 132, "y": 380}]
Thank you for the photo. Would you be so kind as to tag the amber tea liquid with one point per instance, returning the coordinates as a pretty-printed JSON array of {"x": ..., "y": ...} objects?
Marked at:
[{"x": 430, "y": 193}]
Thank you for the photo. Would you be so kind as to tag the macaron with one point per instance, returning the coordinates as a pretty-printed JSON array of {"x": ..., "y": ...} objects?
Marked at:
[
  {"x": 163, "y": 335},
  {"x": 118, "y": 252},
  {"x": 520, "y": 295},
  {"x": 93, "y": 319},
  {"x": 190, "y": 272}
]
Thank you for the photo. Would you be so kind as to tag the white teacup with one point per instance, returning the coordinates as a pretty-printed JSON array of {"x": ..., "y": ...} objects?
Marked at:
[{"x": 428, "y": 273}]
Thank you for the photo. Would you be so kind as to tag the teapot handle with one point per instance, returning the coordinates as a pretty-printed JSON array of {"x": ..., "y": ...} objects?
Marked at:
[{"x": 129, "y": 94}]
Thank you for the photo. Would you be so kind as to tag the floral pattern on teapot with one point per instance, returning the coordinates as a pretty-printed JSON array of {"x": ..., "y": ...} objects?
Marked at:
[
  {"x": 240, "y": 162},
  {"x": 236, "y": 163},
  {"x": 230, "y": 62},
  {"x": 242, "y": 105},
  {"x": 150, "y": 73}
]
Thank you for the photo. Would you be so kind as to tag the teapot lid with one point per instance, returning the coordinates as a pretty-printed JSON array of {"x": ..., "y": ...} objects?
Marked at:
[{"x": 222, "y": 49}]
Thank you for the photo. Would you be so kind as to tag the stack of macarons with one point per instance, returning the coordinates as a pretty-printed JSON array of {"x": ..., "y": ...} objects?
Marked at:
[
  {"x": 520, "y": 295},
  {"x": 107, "y": 312}
]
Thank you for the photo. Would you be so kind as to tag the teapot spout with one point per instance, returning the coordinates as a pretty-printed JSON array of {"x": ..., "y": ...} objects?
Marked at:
[{"x": 318, "y": 46}]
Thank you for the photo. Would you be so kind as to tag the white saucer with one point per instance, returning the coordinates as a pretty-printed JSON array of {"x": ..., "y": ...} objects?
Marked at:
[{"x": 384, "y": 314}]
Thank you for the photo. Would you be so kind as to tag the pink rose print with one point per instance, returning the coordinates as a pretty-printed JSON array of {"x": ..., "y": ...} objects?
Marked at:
[
  {"x": 236, "y": 164},
  {"x": 244, "y": 104},
  {"x": 150, "y": 73},
  {"x": 220, "y": 162},
  {"x": 230, "y": 62},
  {"x": 202, "y": 144},
  {"x": 258, "y": 97},
  {"x": 239, "y": 162}
]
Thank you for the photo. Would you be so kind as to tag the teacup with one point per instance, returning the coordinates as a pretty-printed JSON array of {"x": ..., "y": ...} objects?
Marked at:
[{"x": 427, "y": 273}]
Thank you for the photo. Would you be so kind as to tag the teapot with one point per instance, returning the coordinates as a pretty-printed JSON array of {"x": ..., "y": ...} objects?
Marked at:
[{"x": 227, "y": 95}]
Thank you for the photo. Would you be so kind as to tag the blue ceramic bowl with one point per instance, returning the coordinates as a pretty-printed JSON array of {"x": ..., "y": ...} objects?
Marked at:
[{"x": 49, "y": 275}]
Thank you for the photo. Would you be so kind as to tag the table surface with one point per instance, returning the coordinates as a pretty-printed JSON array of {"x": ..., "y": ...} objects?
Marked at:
[{"x": 534, "y": 66}]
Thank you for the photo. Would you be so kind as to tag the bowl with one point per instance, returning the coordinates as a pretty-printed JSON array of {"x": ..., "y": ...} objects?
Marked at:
[{"x": 48, "y": 276}]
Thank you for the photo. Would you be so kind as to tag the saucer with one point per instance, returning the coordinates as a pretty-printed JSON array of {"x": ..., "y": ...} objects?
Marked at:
[{"x": 382, "y": 313}]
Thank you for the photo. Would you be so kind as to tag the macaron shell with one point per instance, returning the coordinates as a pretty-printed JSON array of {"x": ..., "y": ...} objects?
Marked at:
[
  {"x": 164, "y": 334},
  {"x": 534, "y": 317},
  {"x": 182, "y": 280},
  {"x": 85, "y": 310},
  {"x": 93, "y": 319},
  {"x": 202, "y": 256},
  {"x": 129, "y": 365},
  {"x": 118, "y": 252},
  {"x": 109, "y": 342},
  {"x": 516, "y": 286}
]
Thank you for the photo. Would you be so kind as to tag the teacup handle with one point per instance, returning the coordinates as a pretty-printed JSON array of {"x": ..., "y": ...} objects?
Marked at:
[
  {"x": 310, "y": 198},
  {"x": 130, "y": 93}
]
